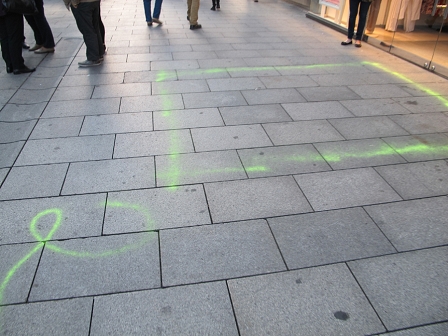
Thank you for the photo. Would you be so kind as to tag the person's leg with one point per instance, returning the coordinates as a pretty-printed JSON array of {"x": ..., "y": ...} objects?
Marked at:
[
  {"x": 363, "y": 10},
  {"x": 84, "y": 20},
  {"x": 147, "y": 6},
  {"x": 157, "y": 9},
  {"x": 102, "y": 32},
  {"x": 43, "y": 26},
  {"x": 5, "y": 44},
  {"x": 97, "y": 27},
  {"x": 189, "y": 2},
  {"x": 213, "y": 5},
  {"x": 14, "y": 30},
  {"x": 37, "y": 35},
  {"x": 194, "y": 12},
  {"x": 354, "y": 4}
]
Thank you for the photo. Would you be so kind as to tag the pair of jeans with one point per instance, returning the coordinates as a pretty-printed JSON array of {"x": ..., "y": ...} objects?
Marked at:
[
  {"x": 11, "y": 39},
  {"x": 363, "y": 8},
  {"x": 192, "y": 12},
  {"x": 87, "y": 17},
  {"x": 157, "y": 9},
  {"x": 39, "y": 24}
]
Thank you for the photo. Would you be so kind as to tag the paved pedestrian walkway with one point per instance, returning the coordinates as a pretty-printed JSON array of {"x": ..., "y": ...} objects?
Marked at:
[{"x": 250, "y": 178}]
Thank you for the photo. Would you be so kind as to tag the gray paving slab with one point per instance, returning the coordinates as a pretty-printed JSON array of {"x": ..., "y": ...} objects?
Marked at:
[
  {"x": 152, "y": 56},
  {"x": 229, "y": 137},
  {"x": 122, "y": 90},
  {"x": 149, "y": 76},
  {"x": 189, "y": 118},
  {"x": 374, "y": 107},
  {"x": 358, "y": 153},
  {"x": 202, "y": 74},
  {"x": 33, "y": 181},
  {"x": 16, "y": 131},
  {"x": 300, "y": 132},
  {"x": 254, "y": 114},
  {"x": 379, "y": 91},
  {"x": 345, "y": 188},
  {"x": 3, "y": 173},
  {"x": 43, "y": 151},
  {"x": 255, "y": 198},
  {"x": 368, "y": 127},
  {"x": 81, "y": 107},
  {"x": 230, "y": 84},
  {"x": 222, "y": 63},
  {"x": 314, "y": 301},
  {"x": 316, "y": 110},
  {"x": 9, "y": 153},
  {"x": 109, "y": 175},
  {"x": 413, "y": 224},
  {"x": 56, "y": 318},
  {"x": 40, "y": 83},
  {"x": 198, "y": 168},
  {"x": 434, "y": 330},
  {"x": 328, "y": 237},
  {"x": 18, "y": 112},
  {"x": 273, "y": 96},
  {"x": 76, "y": 216},
  {"x": 416, "y": 180},
  {"x": 327, "y": 93},
  {"x": 420, "y": 147},
  {"x": 423, "y": 123},
  {"x": 213, "y": 99},
  {"x": 117, "y": 123},
  {"x": 79, "y": 267},
  {"x": 186, "y": 310},
  {"x": 337, "y": 79},
  {"x": 160, "y": 208},
  {"x": 57, "y": 127},
  {"x": 292, "y": 81},
  {"x": 19, "y": 264},
  {"x": 423, "y": 104},
  {"x": 219, "y": 251},
  {"x": 23, "y": 96},
  {"x": 152, "y": 103},
  {"x": 184, "y": 86},
  {"x": 153, "y": 143},
  {"x": 407, "y": 289},
  {"x": 175, "y": 65},
  {"x": 94, "y": 79},
  {"x": 67, "y": 93},
  {"x": 282, "y": 160}
]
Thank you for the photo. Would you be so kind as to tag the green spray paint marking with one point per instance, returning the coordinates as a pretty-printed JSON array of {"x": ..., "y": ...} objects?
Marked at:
[{"x": 46, "y": 241}]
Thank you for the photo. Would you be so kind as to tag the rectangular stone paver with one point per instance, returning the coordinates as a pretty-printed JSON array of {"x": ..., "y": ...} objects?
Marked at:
[
  {"x": 315, "y": 301},
  {"x": 82, "y": 107},
  {"x": 345, "y": 188},
  {"x": 9, "y": 153},
  {"x": 420, "y": 147},
  {"x": 256, "y": 198},
  {"x": 206, "y": 117},
  {"x": 316, "y": 110},
  {"x": 254, "y": 114},
  {"x": 220, "y": 251},
  {"x": 150, "y": 209},
  {"x": 407, "y": 289},
  {"x": 117, "y": 123},
  {"x": 79, "y": 267},
  {"x": 327, "y": 237},
  {"x": 53, "y": 318},
  {"x": 186, "y": 310}
]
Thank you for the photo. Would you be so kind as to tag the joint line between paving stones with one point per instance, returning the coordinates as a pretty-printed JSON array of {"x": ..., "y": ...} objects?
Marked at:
[
  {"x": 104, "y": 214},
  {"x": 233, "y": 308},
  {"x": 35, "y": 272},
  {"x": 368, "y": 215},
  {"x": 91, "y": 316},
  {"x": 278, "y": 246},
  {"x": 160, "y": 259},
  {"x": 242, "y": 164},
  {"x": 414, "y": 327}
]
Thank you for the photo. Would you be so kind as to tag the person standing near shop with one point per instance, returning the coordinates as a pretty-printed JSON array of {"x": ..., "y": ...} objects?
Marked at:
[
  {"x": 42, "y": 31},
  {"x": 192, "y": 14},
  {"x": 87, "y": 17},
  {"x": 155, "y": 15},
  {"x": 11, "y": 40},
  {"x": 361, "y": 6}
]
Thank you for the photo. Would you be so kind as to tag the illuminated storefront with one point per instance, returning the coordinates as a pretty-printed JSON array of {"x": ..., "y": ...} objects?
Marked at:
[{"x": 416, "y": 30}]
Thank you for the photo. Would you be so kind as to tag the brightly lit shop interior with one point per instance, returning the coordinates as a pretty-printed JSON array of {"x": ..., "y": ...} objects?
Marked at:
[{"x": 416, "y": 30}]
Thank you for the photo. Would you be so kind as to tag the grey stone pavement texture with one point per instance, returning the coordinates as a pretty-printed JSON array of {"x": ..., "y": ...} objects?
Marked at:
[{"x": 250, "y": 178}]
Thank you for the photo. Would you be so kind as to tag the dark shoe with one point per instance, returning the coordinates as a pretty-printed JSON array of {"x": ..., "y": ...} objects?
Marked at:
[
  {"x": 213, "y": 8},
  {"x": 218, "y": 6},
  {"x": 196, "y": 26},
  {"x": 36, "y": 46},
  {"x": 9, "y": 69},
  {"x": 87, "y": 63},
  {"x": 358, "y": 44},
  {"x": 25, "y": 45},
  {"x": 44, "y": 50},
  {"x": 149, "y": 23},
  {"x": 347, "y": 42},
  {"x": 156, "y": 20},
  {"x": 25, "y": 69}
]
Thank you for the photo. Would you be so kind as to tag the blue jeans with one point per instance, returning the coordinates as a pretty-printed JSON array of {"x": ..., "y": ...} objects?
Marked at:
[
  {"x": 157, "y": 8},
  {"x": 363, "y": 10}
]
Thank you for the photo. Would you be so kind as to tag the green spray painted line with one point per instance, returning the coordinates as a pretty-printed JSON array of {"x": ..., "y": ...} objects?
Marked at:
[{"x": 419, "y": 86}]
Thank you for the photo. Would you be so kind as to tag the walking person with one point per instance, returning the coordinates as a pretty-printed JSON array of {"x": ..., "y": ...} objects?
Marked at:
[
  {"x": 155, "y": 15},
  {"x": 192, "y": 14},
  {"x": 361, "y": 6},
  {"x": 87, "y": 17},
  {"x": 11, "y": 41},
  {"x": 215, "y": 5},
  {"x": 42, "y": 31}
]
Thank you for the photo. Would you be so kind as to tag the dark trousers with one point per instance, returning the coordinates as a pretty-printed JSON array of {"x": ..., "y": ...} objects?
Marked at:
[
  {"x": 39, "y": 24},
  {"x": 87, "y": 16},
  {"x": 215, "y": 2},
  {"x": 363, "y": 8},
  {"x": 11, "y": 39}
]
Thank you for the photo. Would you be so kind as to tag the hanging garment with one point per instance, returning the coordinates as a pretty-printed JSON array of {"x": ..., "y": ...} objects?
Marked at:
[{"x": 409, "y": 10}]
